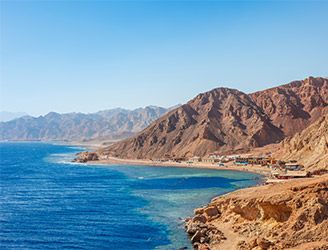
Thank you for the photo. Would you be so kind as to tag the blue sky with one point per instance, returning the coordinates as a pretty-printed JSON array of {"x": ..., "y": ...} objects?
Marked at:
[{"x": 88, "y": 56}]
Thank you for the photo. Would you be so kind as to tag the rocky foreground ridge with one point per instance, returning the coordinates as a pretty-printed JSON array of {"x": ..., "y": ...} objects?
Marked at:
[
  {"x": 228, "y": 121},
  {"x": 289, "y": 215}
]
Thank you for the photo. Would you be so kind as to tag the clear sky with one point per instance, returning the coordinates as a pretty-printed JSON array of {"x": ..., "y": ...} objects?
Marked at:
[{"x": 85, "y": 56}]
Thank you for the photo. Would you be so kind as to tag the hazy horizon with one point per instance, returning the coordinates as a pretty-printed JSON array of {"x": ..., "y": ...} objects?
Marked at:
[
  {"x": 90, "y": 56},
  {"x": 119, "y": 107}
]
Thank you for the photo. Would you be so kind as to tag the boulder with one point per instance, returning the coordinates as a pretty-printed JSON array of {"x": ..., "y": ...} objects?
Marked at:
[
  {"x": 199, "y": 218},
  {"x": 212, "y": 211}
]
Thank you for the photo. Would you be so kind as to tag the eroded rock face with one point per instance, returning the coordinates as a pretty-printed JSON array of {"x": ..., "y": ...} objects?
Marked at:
[
  {"x": 293, "y": 214},
  {"x": 86, "y": 156}
]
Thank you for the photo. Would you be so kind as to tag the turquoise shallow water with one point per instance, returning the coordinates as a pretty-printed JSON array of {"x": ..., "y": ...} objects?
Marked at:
[{"x": 49, "y": 203}]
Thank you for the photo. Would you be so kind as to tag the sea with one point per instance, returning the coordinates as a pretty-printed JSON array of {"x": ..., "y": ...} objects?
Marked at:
[{"x": 48, "y": 202}]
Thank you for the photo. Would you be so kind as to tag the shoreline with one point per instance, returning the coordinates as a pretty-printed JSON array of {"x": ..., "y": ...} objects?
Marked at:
[{"x": 264, "y": 172}]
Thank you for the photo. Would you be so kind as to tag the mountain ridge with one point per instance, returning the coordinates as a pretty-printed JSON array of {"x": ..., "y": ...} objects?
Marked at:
[
  {"x": 227, "y": 120},
  {"x": 110, "y": 124}
]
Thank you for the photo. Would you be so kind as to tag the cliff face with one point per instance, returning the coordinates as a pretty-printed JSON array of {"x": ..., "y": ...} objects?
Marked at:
[
  {"x": 292, "y": 107},
  {"x": 229, "y": 121},
  {"x": 108, "y": 124},
  {"x": 221, "y": 120},
  {"x": 310, "y": 147},
  {"x": 290, "y": 215}
]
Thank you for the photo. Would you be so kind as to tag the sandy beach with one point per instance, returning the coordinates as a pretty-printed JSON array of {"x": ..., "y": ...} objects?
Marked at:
[{"x": 264, "y": 171}]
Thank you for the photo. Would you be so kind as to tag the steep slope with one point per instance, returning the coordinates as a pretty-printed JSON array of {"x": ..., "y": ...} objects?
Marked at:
[
  {"x": 221, "y": 120},
  {"x": 294, "y": 106},
  {"x": 310, "y": 147},
  {"x": 109, "y": 124}
]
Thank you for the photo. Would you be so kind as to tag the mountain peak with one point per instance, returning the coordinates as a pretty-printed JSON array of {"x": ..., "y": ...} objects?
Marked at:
[{"x": 227, "y": 120}]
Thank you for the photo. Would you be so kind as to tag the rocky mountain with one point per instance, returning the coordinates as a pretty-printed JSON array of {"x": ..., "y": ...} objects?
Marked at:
[
  {"x": 108, "y": 124},
  {"x": 221, "y": 120},
  {"x": 228, "y": 121},
  {"x": 309, "y": 147},
  {"x": 294, "y": 106},
  {"x": 291, "y": 215}
]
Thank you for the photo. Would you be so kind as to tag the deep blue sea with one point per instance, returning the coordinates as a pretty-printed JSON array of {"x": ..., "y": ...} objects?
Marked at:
[{"x": 49, "y": 203}]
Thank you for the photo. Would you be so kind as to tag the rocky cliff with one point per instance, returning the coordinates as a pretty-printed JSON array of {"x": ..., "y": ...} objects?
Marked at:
[
  {"x": 294, "y": 106},
  {"x": 108, "y": 124},
  {"x": 309, "y": 147},
  {"x": 290, "y": 215},
  {"x": 224, "y": 120}
]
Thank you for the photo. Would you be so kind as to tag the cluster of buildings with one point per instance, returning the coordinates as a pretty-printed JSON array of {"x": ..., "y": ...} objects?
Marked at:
[{"x": 279, "y": 169}]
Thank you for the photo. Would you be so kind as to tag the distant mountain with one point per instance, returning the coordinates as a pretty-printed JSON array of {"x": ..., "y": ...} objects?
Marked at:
[
  {"x": 108, "y": 124},
  {"x": 7, "y": 116},
  {"x": 227, "y": 121}
]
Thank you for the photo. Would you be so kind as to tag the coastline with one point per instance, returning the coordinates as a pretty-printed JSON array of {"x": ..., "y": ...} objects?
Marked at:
[
  {"x": 265, "y": 172},
  {"x": 264, "y": 217},
  {"x": 262, "y": 171},
  {"x": 220, "y": 223}
]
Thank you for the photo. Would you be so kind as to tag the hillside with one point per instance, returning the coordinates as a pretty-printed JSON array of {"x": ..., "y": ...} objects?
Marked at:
[
  {"x": 310, "y": 147},
  {"x": 229, "y": 121},
  {"x": 222, "y": 120},
  {"x": 108, "y": 124},
  {"x": 294, "y": 106}
]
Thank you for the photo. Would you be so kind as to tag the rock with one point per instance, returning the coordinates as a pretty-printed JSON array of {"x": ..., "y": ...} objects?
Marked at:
[
  {"x": 263, "y": 243},
  {"x": 203, "y": 247},
  {"x": 86, "y": 156},
  {"x": 191, "y": 228},
  {"x": 199, "y": 211},
  {"x": 253, "y": 243},
  {"x": 196, "y": 237},
  {"x": 211, "y": 211},
  {"x": 199, "y": 218}
]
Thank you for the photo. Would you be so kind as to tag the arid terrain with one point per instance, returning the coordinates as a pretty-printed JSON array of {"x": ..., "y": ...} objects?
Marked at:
[
  {"x": 289, "y": 215},
  {"x": 228, "y": 121},
  {"x": 309, "y": 147}
]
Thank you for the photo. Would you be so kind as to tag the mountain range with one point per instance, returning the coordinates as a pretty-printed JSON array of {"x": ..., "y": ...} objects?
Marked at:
[
  {"x": 104, "y": 125},
  {"x": 226, "y": 121}
]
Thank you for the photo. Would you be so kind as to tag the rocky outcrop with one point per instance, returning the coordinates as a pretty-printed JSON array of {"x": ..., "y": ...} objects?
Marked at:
[
  {"x": 294, "y": 106},
  {"x": 86, "y": 156},
  {"x": 309, "y": 147},
  {"x": 287, "y": 215},
  {"x": 223, "y": 120}
]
